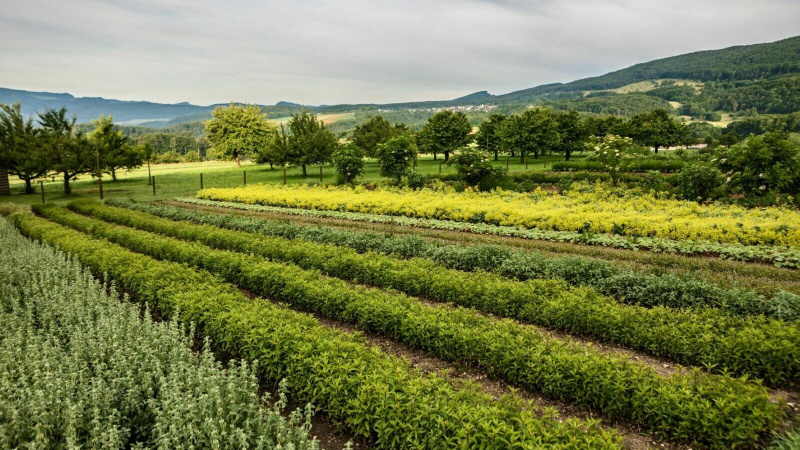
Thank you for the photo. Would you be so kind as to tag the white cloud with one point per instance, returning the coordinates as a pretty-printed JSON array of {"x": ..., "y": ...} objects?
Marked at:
[{"x": 320, "y": 51}]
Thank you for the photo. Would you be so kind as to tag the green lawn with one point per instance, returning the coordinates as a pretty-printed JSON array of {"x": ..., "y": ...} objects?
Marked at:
[{"x": 181, "y": 180}]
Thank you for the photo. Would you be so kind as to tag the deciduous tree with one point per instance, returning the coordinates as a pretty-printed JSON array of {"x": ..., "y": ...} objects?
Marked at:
[
  {"x": 21, "y": 151},
  {"x": 488, "y": 137},
  {"x": 447, "y": 131},
  {"x": 533, "y": 132},
  {"x": 71, "y": 152},
  {"x": 238, "y": 130}
]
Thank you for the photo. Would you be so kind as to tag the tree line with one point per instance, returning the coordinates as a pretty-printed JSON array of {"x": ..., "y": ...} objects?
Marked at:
[{"x": 52, "y": 145}]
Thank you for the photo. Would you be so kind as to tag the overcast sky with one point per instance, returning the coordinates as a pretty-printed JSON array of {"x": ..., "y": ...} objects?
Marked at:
[{"x": 327, "y": 52}]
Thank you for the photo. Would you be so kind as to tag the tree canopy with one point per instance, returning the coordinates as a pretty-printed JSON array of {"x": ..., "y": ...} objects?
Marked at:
[
  {"x": 238, "y": 130},
  {"x": 21, "y": 149},
  {"x": 533, "y": 132},
  {"x": 446, "y": 131}
]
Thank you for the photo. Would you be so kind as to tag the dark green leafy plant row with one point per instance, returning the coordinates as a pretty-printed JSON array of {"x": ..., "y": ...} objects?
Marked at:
[
  {"x": 80, "y": 369},
  {"x": 641, "y": 165},
  {"x": 624, "y": 285},
  {"x": 377, "y": 396},
  {"x": 778, "y": 256},
  {"x": 683, "y": 407},
  {"x": 763, "y": 348}
]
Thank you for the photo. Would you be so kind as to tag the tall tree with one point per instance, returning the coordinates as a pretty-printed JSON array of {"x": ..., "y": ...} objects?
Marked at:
[
  {"x": 447, "y": 131},
  {"x": 488, "y": 137},
  {"x": 309, "y": 141},
  {"x": 72, "y": 153},
  {"x": 656, "y": 129},
  {"x": 601, "y": 126},
  {"x": 238, "y": 130},
  {"x": 182, "y": 143},
  {"x": 573, "y": 134},
  {"x": 21, "y": 151},
  {"x": 533, "y": 132},
  {"x": 114, "y": 149},
  {"x": 369, "y": 135}
]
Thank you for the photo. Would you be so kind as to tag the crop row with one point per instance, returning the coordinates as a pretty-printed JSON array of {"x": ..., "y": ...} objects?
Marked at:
[
  {"x": 599, "y": 210},
  {"x": 763, "y": 348},
  {"x": 779, "y": 256},
  {"x": 644, "y": 165},
  {"x": 376, "y": 396},
  {"x": 78, "y": 368},
  {"x": 683, "y": 407},
  {"x": 625, "y": 285}
]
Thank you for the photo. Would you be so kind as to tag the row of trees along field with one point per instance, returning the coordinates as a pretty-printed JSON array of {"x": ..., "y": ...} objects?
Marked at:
[{"x": 52, "y": 145}]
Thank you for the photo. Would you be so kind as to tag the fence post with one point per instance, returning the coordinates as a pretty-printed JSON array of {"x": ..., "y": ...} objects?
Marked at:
[
  {"x": 440, "y": 168},
  {"x": 506, "y": 163},
  {"x": 320, "y": 174},
  {"x": 41, "y": 188},
  {"x": 526, "y": 163},
  {"x": 244, "y": 177},
  {"x": 201, "y": 180},
  {"x": 284, "y": 176},
  {"x": 154, "y": 184}
]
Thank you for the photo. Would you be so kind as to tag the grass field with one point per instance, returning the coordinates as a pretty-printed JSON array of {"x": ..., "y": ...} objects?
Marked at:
[{"x": 183, "y": 179}]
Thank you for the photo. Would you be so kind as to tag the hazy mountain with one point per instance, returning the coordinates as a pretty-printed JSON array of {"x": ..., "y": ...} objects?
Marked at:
[{"x": 738, "y": 64}]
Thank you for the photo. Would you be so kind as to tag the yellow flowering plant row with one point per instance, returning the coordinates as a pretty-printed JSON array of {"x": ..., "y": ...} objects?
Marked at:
[{"x": 598, "y": 210}]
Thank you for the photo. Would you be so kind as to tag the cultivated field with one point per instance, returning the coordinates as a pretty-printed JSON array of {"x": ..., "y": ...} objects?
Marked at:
[{"x": 429, "y": 318}]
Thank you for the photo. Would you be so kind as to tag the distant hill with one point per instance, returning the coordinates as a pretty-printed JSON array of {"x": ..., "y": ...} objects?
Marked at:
[{"x": 760, "y": 77}]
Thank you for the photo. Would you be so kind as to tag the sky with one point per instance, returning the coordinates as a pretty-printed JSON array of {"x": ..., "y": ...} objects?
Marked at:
[{"x": 329, "y": 52}]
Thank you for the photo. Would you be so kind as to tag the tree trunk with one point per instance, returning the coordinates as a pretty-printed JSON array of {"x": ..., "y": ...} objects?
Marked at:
[
  {"x": 496, "y": 154},
  {"x": 28, "y": 186},
  {"x": 239, "y": 165},
  {"x": 656, "y": 148},
  {"x": 446, "y": 156},
  {"x": 434, "y": 155},
  {"x": 270, "y": 167},
  {"x": 67, "y": 188},
  {"x": 113, "y": 174},
  {"x": 568, "y": 153},
  {"x": 304, "y": 170},
  {"x": 522, "y": 157}
]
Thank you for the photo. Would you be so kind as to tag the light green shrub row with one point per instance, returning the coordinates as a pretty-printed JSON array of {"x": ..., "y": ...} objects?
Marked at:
[
  {"x": 80, "y": 369},
  {"x": 376, "y": 396},
  {"x": 625, "y": 285},
  {"x": 763, "y": 348},
  {"x": 778, "y": 256},
  {"x": 683, "y": 407}
]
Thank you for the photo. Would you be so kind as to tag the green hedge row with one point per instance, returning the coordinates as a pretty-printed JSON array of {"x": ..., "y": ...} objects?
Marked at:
[
  {"x": 683, "y": 407},
  {"x": 643, "y": 165},
  {"x": 80, "y": 369},
  {"x": 376, "y": 396},
  {"x": 778, "y": 256},
  {"x": 624, "y": 285},
  {"x": 763, "y": 348}
]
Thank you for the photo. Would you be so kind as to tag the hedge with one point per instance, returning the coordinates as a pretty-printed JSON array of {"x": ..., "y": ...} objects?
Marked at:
[
  {"x": 683, "y": 407},
  {"x": 703, "y": 337},
  {"x": 625, "y": 285}
]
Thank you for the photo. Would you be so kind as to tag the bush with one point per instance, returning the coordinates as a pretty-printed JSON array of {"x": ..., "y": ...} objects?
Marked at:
[
  {"x": 170, "y": 157},
  {"x": 697, "y": 181},
  {"x": 349, "y": 163},
  {"x": 397, "y": 156},
  {"x": 474, "y": 168},
  {"x": 191, "y": 156},
  {"x": 764, "y": 164},
  {"x": 414, "y": 180},
  {"x": 80, "y": 369}
]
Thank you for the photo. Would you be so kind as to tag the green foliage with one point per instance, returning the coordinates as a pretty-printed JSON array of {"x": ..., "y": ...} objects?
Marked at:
[
  {"x": 349, "y": 163},
  {"x": 686, "y": 404},
  {"x": 71, "y": 152},
  {"x": 612, "y": 153},
  {"x": 446, "y": 131},
  {"x": 488, "y": 136},
  {"x": 778, "y": 256},
  {"x": 761, "y": 124},
  {"x": 625, "y": 105},
  {"x": 113, "y": 148},
  {"x": 375, "y": 131},
  {"x": 379, "y": 398},
  {"x": 473, "y": 166},
  {"x": 306, "y": 142},
  {"x": 627, "y": 165},
  {"x": 572, "y": 133},
  {"x": 238, "y": 130},
  {"x": 534, "y": 131},
  {"x": 21, "y": 149},
  {"x": 762, "y": 164},
  {"x": 656, "y": 129},
  {"x": 625, "y": 285},
  {"x": 80, "y": 369},
  {"x": 703, "y": 337},
  {"x": 397, "y": 156},
  {"x": 698, "y": 181}
]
